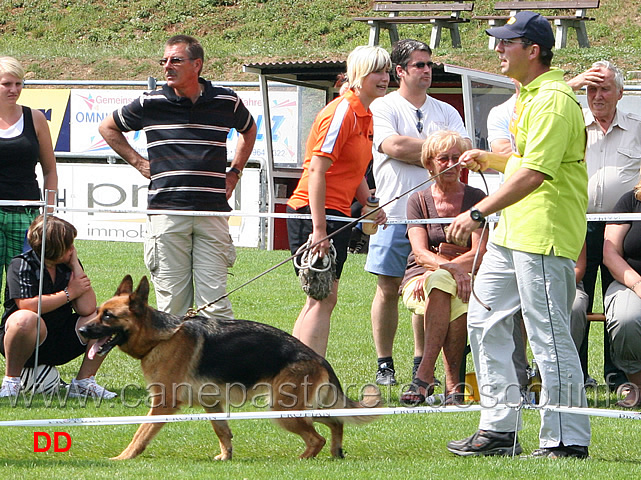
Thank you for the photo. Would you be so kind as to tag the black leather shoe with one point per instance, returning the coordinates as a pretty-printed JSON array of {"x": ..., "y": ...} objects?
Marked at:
[
  {"x": 562, "y": 451},
  {"x": 486, "y": 442}
]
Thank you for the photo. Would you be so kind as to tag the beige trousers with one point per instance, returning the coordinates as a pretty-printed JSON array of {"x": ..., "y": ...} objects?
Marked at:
[{"x": 188, "y": 258}]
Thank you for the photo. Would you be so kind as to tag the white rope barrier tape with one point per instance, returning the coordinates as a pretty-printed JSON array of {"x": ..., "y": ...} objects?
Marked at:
[
  {"x": 347, "y": 412},
  {"x": 591, "y": 217},
  {"x": 238, "y": 213},
  {"x": 272, "y": 414},
  {"x": 592, "y": 412},
  {"x": 200, "y": 213},
  {"x": 21, "y": 203},
  {"x": 612, "y": 217}
]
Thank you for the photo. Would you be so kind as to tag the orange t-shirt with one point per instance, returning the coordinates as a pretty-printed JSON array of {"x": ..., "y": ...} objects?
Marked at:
[{"x": 342, "y": 132}]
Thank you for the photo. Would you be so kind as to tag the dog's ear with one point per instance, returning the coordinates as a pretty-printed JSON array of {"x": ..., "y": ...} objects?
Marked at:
[
  {"x": 126, "y": 286},
  {"x": 138, "y": 299},
  {"x": 142, "y": 291}
]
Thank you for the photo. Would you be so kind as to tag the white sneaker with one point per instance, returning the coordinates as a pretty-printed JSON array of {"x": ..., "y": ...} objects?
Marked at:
[
  {"x": 10, "y": 388},
  {"x": 87, "y": 387}
]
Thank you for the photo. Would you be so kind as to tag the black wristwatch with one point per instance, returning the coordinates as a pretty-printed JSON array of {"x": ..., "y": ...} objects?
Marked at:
[
  {"x": 236, "y": 171},
  {"x": 476, "y": 215}
]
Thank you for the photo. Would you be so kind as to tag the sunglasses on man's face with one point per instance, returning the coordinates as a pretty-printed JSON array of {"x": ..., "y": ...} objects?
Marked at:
[
  {"x": 172, "y": 61},
  {"x": 421, "y": 65}
]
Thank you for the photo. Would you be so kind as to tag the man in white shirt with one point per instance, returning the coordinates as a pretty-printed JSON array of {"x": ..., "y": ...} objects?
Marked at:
[
  {"x": 613, "y": 157},
  {"x": 402, "y": 121},
  {"x": 498, "y": 124}
]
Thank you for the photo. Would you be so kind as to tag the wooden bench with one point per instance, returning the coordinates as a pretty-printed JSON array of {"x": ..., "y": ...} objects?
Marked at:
[
  {"x": 562, "y": 22},
  {"x": 448, "y": 17}
]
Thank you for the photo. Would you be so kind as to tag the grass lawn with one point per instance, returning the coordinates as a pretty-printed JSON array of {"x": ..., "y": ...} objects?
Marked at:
[{"x": 404, "y": 446}]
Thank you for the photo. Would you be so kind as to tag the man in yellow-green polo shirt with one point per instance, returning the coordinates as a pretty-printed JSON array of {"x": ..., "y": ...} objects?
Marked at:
[{"x": 529, "y": 264}]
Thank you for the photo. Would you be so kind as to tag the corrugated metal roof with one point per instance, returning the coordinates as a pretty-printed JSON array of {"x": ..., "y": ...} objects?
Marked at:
[
  {"x": 317, "y": 72},
  {"x": 300, "y": 64},
  {"x": 325, "y": 71}
]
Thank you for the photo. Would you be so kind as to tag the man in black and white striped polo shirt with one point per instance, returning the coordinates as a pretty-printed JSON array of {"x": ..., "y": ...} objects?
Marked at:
[{"x": 186, "y": 124}]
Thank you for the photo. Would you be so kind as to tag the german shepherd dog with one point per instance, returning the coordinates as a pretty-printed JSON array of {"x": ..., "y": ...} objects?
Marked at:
[{"x": 214, "y": 362}]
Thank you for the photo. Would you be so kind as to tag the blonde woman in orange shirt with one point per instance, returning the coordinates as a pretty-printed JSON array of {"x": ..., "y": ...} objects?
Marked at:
[{"x": 339, "y": 148}]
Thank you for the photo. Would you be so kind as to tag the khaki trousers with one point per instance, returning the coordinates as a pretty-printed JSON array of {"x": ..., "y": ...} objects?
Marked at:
[{"x": 188, "y": 258}]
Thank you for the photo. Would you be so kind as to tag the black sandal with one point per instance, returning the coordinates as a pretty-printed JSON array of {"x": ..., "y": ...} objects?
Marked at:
[
  {"x": 454, "y": 399},
  {"x": 412, "y": 396}
]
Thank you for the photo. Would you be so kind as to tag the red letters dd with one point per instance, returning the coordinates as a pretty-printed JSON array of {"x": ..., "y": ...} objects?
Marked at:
[{"x": 56, "y": 442}]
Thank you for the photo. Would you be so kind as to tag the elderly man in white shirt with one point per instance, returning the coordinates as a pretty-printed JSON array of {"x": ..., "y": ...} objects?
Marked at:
[{"x": 613, "y": 157}]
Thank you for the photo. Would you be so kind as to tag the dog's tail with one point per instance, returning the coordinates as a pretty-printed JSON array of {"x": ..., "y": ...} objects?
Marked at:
[
  {"x": 370, "y": 398},
  {"x": 334, "y": 397}
]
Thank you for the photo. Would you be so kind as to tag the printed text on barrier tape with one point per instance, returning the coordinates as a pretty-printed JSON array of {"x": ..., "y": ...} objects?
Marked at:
[{"x": 307, "y": 414}]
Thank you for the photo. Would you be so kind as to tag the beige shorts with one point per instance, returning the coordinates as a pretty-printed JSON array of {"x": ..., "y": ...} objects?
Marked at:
[{"x": 442, "y": 280}]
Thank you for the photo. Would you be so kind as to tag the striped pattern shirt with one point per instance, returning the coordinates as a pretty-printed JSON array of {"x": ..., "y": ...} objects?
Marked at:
[
  {"x": 187, "y": 144},
  {"x": 23, "y": 281}
]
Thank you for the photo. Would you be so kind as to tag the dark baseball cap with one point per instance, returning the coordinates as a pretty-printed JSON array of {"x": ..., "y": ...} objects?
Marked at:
[{"x": 528, "y": 25}]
